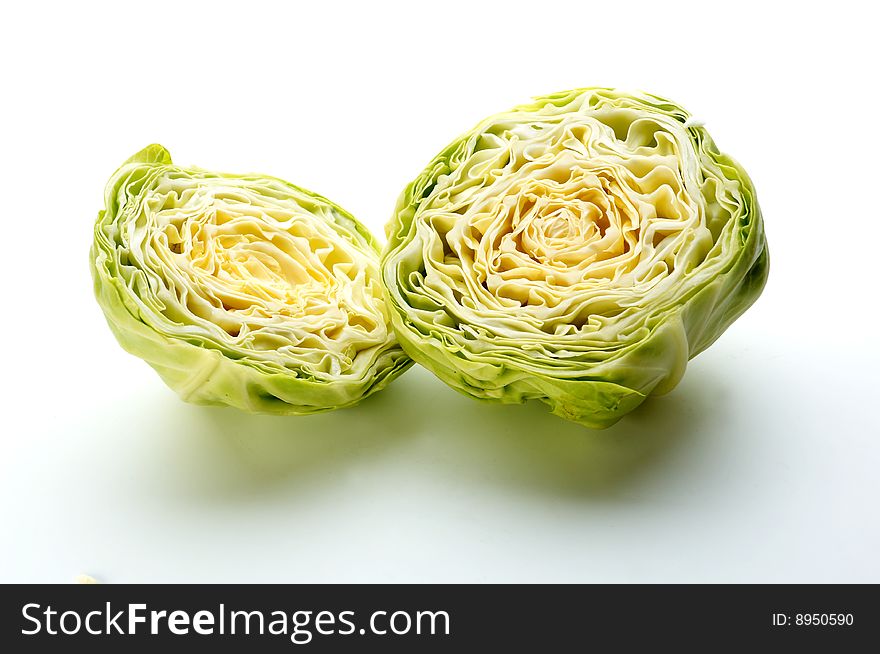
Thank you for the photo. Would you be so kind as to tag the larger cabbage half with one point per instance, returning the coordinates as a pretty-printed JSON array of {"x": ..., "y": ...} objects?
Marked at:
[
  {"x": 242, "y": 290},
  {"x": 576, "y": 250}
]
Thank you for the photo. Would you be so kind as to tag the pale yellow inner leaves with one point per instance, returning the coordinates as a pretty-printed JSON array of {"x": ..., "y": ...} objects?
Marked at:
[
  {"x": 565, "y": 221},
  {"x": 280, "y": 281}
]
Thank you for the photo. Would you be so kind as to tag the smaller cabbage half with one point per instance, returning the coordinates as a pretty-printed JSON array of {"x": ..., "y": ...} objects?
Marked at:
[
  {"x": 242, "y": 290},
  {"x": 576, "y": 250}
]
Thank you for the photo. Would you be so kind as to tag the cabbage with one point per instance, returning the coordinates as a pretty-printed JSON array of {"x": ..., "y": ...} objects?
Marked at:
[
  {"x": 242, "y": 290},
  {"x": 577, "y": 250}
]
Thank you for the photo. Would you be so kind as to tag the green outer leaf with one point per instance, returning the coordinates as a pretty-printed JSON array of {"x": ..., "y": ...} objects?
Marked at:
[
  {"x": 206, "y": 375},
  {"x": 599, "y": 393}
]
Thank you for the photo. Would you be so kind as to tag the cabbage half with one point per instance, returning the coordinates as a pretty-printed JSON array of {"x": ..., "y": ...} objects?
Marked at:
[
  {"x": 242, "y": 290},
  {"x": 578, "y": 250}
]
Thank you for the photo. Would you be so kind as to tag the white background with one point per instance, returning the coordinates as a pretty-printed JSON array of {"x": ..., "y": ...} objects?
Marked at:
[{"x": 763, "y": 465}]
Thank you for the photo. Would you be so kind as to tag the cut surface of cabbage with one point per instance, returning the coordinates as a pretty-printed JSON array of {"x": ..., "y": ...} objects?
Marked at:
[
  {"x": 576, "y": 250},
  {"x": 242, "y": 290}
]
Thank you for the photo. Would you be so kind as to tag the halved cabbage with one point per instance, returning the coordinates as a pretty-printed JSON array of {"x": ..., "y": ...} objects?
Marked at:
[
  {"x": 242, "y": 290},
  {"x": 576, "y": 250}
]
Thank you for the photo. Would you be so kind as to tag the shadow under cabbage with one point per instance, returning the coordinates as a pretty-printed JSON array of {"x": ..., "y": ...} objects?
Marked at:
[
  {"x": 449, "y": 439},
  {"x": 526, "y": 447},
  {"x": 222, "y": 453}
]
